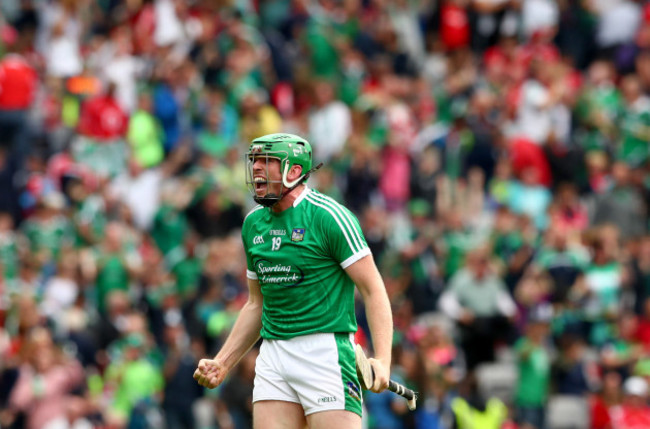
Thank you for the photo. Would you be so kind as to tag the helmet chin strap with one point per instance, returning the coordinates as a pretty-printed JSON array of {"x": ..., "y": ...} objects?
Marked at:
[
  {"x": 298, "y": 181},
  {"x": 269, "y": 200},
  {"x": 286, "y": 183}
]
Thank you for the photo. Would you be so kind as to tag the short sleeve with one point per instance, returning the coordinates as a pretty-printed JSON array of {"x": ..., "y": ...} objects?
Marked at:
[{"x": 344, "y": 240}]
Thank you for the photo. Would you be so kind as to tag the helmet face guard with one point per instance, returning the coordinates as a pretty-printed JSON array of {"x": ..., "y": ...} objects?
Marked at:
[
  {"x": 253, "y": 181},
  {"x": 289, "y": 150}
]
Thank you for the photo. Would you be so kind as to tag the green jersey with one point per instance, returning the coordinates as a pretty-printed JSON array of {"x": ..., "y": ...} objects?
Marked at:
[
  {"x": 49, "y": 235},
  {"x": 112, "y": 274},
  {"x": 91, "y": 212},
  {"x": 605, "y": 282},
  {"x": 299, "y": 256},
  {"x": 604, "y": 102},
  {"x": 635, "y": 130},
  {"x": 9, "y": 244},
  {"x": 534, "y": 374},
  {"x": 169, "y": 228}
]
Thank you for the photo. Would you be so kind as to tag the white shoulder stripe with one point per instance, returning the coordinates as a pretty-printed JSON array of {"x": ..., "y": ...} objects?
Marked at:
[
  {"x": 336, "y": 218},
  {"x": 256, "y": 208},
  {"x": 345, "y": 216},
  {"x": 302, "y": 196},
  {"x": 345, "y": 212}
]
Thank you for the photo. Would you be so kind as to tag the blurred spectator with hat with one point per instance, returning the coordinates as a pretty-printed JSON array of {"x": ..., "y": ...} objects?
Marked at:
[{"x": 634, "y": 411}]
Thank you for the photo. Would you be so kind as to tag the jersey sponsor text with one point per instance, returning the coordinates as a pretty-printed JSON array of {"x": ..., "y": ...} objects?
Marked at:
[{"x": 278, "y": 274}]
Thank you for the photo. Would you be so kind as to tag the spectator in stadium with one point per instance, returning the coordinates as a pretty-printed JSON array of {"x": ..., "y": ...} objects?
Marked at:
[
  {"x": 608, "y": 398},
  {"x": 478, "y": 300},
  {"x": 534, "y": 369},
  {"x": 472, "y": 409},
  {"x": 634, "y": 412},
  {"x": 621, "y": 205},
  {"x": 46, "y": 382},
  {"x": 18, "y": 87}
]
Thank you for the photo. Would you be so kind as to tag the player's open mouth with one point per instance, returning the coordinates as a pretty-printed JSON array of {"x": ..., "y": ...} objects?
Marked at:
[{"x": 260, "y": 184}]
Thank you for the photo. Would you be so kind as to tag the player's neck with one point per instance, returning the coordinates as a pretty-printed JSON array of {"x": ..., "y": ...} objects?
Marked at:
[{"x": 288, "y": 200}]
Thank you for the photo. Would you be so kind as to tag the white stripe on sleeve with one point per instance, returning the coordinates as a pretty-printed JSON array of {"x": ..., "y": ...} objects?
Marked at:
[
  {"x": 345, "y": 234},
  {"x": 345, "y": 216},
  {"x": 354, "y": 258}
]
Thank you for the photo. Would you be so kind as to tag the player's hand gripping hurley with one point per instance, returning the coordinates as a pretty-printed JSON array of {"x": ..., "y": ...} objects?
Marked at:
[{"x": 367, "y": 377}]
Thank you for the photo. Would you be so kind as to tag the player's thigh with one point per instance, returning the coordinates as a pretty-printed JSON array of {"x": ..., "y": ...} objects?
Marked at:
[
  {"x": 339, "y": 419},
  {"x": 278, "y": 415},
  {"x": 323, "y": 373}
]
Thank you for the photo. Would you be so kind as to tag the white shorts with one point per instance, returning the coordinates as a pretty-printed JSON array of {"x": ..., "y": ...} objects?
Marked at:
[{"x": 317, "y": 371}]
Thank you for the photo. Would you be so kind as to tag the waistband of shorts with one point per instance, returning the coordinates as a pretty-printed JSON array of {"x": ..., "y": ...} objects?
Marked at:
[{"x": 313, "y": 337}]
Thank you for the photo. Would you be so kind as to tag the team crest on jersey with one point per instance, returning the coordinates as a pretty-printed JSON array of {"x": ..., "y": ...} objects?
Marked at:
[{"x": 298, "y": 234}]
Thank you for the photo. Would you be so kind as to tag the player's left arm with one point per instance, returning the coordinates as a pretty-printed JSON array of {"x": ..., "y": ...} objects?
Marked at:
[{"x": 365, "y": 275}]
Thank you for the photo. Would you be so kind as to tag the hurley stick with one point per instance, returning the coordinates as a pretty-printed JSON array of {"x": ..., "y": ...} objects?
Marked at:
[{"x": 367, "y": 378}]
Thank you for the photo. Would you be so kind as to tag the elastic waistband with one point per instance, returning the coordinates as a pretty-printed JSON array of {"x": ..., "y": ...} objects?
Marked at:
[{"x": 318, "y": 336}]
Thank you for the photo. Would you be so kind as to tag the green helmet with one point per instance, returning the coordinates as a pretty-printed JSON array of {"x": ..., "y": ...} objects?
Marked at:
[{"x": 290, "y": 150}]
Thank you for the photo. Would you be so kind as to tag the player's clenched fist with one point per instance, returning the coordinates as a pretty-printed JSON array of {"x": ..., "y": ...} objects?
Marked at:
[{"x": 210, "y": 373}]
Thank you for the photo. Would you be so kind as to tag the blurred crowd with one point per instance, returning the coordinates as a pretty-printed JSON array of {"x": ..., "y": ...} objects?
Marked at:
[{"x": 495, "y": 152}]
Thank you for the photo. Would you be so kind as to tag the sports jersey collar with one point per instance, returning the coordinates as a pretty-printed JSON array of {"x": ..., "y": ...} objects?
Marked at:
[{"x": 302, "y": 196}]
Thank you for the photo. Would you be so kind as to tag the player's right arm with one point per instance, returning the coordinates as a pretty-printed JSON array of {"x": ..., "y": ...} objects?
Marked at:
[{"x": 245, "y": 333}]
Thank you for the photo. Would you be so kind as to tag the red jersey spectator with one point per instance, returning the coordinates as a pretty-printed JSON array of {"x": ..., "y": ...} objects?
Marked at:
[
  {"x": 538, "y": 50},
  {"x": 454, "y": 25},
  {"x": 18, "y": 81},
  {"x": 526, "y": 154},
  {"x": 609, "y": 398},
  {"x": 102, "y": 117},
  {"x": 143, "y": 24},
  {"x": 634, "y": 413},
  {"x": 568, "y": 213}
]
